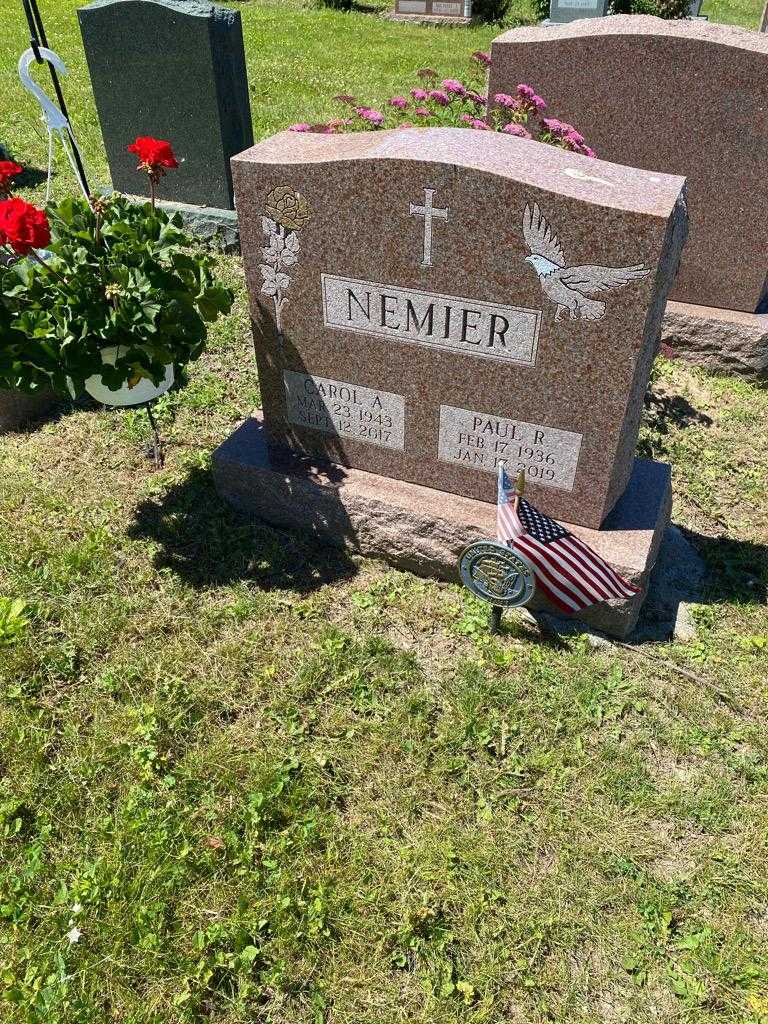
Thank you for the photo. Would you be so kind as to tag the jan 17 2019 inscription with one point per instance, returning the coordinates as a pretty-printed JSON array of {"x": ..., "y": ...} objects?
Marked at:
[
  {"x": 481, "y": 441},
  {"x": 350, "y": 410}
]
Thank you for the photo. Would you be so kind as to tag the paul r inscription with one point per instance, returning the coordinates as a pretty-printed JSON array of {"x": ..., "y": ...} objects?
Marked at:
[{"x": 476, "y": 440}]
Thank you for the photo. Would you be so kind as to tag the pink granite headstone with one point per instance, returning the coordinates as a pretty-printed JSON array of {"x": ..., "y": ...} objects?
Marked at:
[
  {"x": 682, "y": 97},
  {"x": 429, "y": 302}
]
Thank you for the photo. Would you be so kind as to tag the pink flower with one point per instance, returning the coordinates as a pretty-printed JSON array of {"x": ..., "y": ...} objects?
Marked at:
[
  {"x": 300, "y": 128},
  {"x": 373, "y": 117},
  {"x": 399, "y": 101},
  {"x": 526, "y": 100},
  {"x": 482, "y": 58},
  {"x": 334, "y": 126},
  {"x": 479, "y": 125},
  {"x": 419, "y": 94},
  {"x": 517, "y": 130},
  {"x": 422, "y": 112},
  {"x": 467, "y": 118},
  {"x": 453, "y": 85},
  {"x": 555, "y": 127},
  {"x": 530, "y": 99},
  {"x": 477, "y": 99},
  {"x": 575, "y": 138},
  {"x": 405, "y": 124},
  {"x": 586, "y": 151},
  {"x": 440, "y": 97}
]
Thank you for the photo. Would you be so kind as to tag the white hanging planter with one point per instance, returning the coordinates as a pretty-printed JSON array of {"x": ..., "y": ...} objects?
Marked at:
[{"x": 141, "y": 392}]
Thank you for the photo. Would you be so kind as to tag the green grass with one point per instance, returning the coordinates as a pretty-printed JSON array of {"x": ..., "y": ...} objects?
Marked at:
[
  {"x": 283, "y": 785},
  {"x": 286, "y": 785}
]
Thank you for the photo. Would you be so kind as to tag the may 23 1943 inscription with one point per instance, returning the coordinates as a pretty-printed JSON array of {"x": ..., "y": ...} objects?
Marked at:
[{"x": 337, "y": 407}]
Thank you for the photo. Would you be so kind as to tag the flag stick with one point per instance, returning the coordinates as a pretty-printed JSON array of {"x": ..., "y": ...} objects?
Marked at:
[{"x": 494, "y": 623}]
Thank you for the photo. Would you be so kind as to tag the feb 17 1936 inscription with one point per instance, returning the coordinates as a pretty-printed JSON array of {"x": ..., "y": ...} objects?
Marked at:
[
  {"x": 466, "y": 326},
  {"x": 337, "y": 407},
  {"x": 477, "y": 440}
]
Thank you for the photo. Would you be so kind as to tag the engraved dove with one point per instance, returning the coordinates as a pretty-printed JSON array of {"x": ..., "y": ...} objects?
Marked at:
[{"x": 570, "y": 288}]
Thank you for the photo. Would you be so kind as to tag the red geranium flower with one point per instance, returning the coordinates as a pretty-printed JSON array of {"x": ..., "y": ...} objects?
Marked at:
[
  {"x": 8, "y": 171},
  {"x": 154, "y": 154},
  {"x": 23, "y": 226}
]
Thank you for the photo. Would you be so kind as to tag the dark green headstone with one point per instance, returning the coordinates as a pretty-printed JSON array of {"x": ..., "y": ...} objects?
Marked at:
[{"x": 175, "y": 70}]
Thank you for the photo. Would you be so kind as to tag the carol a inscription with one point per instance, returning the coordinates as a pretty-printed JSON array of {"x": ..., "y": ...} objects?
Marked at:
[
  {"x": 337, "y": 407},
  {"x": 467, "y": 326},
  {"x": 548, "y": 455}
]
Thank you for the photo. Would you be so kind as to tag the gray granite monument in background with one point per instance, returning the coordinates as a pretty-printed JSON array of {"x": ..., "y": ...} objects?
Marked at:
[
  {"x": 175, "y": 70},
  {"x": 563, "y": 11}
]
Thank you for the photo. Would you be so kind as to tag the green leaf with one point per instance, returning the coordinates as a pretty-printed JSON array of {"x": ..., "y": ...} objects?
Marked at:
[{"x": 213, "y": 301}]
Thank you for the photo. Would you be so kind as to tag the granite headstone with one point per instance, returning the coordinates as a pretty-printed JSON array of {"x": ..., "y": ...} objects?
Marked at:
[
  {"x": 563, "y": 11},
  {"x": 429, "y": 302},
  {"x": 682, "y": 97},
  {"x": 172, "y": 69},
  {"x": 435, "y": 8}
]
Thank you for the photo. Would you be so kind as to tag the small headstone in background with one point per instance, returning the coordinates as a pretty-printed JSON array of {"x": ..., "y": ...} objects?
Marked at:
[
  {"x": 430, "y": 302},
  {"x": 679, "y": 97},
  {"x": 175, "y": 70},
  {"x": 434, "y": 9},
  {"x": 563, "y": 11}
]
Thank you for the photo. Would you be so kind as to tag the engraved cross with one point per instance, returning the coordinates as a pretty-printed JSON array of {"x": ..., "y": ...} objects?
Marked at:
[{"x": 428, "y": 212}]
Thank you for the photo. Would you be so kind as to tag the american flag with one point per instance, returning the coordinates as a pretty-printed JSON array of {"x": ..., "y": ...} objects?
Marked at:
[{"x": 568, "y": 573}]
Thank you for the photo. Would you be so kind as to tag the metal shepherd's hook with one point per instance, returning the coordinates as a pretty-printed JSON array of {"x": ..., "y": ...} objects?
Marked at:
[{"x": 57, "y": 123}]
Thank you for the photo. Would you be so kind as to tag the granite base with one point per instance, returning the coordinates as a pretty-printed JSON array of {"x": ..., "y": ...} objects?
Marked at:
[
  {"x": 726, "y": 341},
  {"x": 421, "y": 529},
  {"x": 210, "y": 224},
  {"x": 439, "y": 20}
]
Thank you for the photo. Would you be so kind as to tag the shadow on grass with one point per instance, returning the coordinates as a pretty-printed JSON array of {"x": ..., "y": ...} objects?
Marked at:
[
  {"x": 208, "y": 544},
  {"x": 22, "y": 413},
  {"x": 30, "y": 176},
  {"x": 737, "y": 570},
  {"x": 663, "y": 411}
]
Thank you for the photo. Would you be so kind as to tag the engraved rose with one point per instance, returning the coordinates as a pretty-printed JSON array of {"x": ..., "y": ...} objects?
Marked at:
[
  {"x": 286, "y": 206},
  {"x": 286, "y": 211}
]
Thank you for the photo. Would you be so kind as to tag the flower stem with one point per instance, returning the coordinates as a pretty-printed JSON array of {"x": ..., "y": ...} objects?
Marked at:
[
  {"x": 48, "y": 267},
  {"x": 158, "y": 445}
]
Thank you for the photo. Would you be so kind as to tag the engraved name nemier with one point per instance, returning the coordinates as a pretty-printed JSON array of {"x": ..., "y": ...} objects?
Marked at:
[
  {"x": 466, "y": 326},
  {"x": 481, "y": 441},
  {"x": 338, "y": 407}
]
